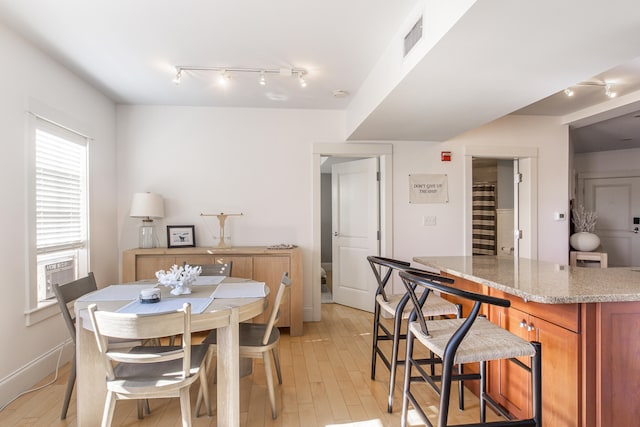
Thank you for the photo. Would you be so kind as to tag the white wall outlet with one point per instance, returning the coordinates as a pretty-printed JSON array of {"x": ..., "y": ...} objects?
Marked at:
[{"x": 428, "y": 221}]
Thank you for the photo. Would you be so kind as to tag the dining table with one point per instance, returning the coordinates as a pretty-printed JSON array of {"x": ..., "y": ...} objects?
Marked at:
[{"x": 215, "y": 305}]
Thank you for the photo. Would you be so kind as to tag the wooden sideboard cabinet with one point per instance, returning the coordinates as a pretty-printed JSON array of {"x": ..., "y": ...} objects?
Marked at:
[{"x": 257, "y": 263}]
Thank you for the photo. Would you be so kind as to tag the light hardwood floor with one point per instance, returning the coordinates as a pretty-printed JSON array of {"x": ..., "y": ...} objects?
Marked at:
[{"x": 326, "y": 382}]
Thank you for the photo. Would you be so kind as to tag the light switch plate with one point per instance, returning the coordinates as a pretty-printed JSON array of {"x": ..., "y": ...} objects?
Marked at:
[{"x": 428, "y": 221}]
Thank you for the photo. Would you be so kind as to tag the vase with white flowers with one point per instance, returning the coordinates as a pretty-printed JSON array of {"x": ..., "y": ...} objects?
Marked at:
[
  {"x": 179, "y": 278},
  {"x": 584, "y": 239}
]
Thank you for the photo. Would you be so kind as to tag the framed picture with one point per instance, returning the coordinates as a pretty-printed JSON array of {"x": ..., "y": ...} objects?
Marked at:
[{"x": 181, "y": 236}]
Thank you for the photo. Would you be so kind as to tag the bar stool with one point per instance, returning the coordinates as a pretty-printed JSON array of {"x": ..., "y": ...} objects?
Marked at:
[
  {"x": 396, "y": 306},
  {"x": 469, "y": 340}
]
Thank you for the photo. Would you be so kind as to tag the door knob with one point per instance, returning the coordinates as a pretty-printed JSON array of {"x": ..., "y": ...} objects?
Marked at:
[
  {"x": 635, "y": 230},
  {"x": 335, "y": 234}
]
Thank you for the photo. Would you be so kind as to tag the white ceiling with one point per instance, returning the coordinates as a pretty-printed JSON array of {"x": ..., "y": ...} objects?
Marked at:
[
  {"x": 500, "y": 56},
  {"x": 129, "y": 49}
]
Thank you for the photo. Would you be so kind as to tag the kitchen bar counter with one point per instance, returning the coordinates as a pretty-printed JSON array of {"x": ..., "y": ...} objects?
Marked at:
[
  {"x": 588, "y": 321},
  {"x": 543, "y": 282}
]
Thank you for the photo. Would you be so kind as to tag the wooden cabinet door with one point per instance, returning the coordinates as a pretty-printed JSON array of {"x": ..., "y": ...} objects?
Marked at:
[
  {"x": 509, "y": 384},
  {"x": 269, "y": 269},
  {"x": 560, "y": 373},
  {"x": 146, "y": 266}
]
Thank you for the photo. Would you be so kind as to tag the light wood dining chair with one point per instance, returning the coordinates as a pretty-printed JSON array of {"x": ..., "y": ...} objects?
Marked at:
[
  {"x": 259, "y": 341},
  {"x": 66, "y": 294},
  {"x": 149, "y": 372}
]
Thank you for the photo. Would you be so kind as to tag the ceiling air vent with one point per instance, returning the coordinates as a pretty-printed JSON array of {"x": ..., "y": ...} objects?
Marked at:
[{"x": 413, "y": 37}]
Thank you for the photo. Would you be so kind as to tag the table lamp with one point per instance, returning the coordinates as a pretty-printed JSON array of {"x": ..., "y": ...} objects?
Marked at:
[{"x": 147, "y": 206}]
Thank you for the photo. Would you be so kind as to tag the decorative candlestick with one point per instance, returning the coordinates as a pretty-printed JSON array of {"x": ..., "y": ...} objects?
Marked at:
[{"x": 222, "y": 217}]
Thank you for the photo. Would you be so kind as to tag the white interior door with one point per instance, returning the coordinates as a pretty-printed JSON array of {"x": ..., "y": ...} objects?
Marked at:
[
  {"x": 617, "y": 203},
  {"x": 355, "y": 220}
]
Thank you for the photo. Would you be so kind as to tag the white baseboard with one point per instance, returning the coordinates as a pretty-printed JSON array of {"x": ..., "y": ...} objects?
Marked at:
[{"x": 33, "y": 372}]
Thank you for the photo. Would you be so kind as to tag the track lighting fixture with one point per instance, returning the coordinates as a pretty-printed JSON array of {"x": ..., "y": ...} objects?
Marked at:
[
  {"x": 608, "y": 89},
  {"x": 224, "y": 74}
]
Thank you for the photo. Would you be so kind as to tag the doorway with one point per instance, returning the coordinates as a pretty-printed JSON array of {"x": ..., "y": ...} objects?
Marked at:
[
  {"x": 346, "y": 152},
  {"x": 525, "y": 199},
  {"x": 327, "y": 227},
  {"x": 493, "y": 207},
  {"x": 328, "y": 221},
  {"x": 616, "y": 199},
  {"x": 355, "y": 231}
]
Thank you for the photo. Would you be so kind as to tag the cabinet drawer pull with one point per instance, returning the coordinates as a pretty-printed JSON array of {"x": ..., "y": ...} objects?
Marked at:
[
  {"x": 523, "y": 323},
  {"x": 530, "y": 327}
]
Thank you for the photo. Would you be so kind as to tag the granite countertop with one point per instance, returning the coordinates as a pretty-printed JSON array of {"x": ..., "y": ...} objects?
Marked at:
[{"x": 543, "y": 282}]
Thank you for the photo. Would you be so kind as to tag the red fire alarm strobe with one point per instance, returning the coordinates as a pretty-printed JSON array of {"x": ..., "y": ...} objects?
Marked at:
[{"x": 445, "y": 156}]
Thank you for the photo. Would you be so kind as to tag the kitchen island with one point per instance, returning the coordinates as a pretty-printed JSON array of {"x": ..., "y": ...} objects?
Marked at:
[{"x": 588, "y": 321}]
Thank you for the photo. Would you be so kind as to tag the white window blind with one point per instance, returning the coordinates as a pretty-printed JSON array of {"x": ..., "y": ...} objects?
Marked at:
[{"x": 61, "y": 184}]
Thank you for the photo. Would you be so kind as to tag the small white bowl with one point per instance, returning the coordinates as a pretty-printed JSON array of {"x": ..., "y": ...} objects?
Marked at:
[{"x": 149, "y": 296}]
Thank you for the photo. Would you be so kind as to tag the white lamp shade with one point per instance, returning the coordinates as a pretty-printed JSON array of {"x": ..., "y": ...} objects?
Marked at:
[{"x": 147, "y": 205}]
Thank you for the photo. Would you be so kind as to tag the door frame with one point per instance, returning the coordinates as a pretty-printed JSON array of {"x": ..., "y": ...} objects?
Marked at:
[
  {"x": 385, "y": 153},
  {"x": 528, "y": 203},
  {"x": 582, "y": 176}
]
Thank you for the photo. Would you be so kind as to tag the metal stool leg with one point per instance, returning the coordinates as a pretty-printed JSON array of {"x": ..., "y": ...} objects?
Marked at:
[
  {"x": 483, "y": 392},
  {"x": 536, "y": 383},
  {"x": 445, "y": 391},
  {"x": 374, "y": 348},
  {"x": 406, "y": 389},
  {"x": 397, "y": 324}
]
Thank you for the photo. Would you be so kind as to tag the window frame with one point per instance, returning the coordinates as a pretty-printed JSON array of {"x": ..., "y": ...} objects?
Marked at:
[{"x": 36, "y": 310}]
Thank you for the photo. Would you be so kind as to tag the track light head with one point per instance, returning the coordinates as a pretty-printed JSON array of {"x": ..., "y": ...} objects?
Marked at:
[
  {"x": 224, "y": 78},
  {"x": 608, "y": 91},
  {"x": 178, "y": 76},
  {"x": 303, "y": 82},
  {"x": 608, "y": 87},
  {"x": 263, "y": 80}
]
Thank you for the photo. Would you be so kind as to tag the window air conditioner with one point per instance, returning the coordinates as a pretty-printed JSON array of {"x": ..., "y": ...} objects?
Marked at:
[{"x": 60, "y": 271}]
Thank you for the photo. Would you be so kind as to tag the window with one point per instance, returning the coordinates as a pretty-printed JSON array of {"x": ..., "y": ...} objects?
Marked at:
[{"x": 61, "y": 213}]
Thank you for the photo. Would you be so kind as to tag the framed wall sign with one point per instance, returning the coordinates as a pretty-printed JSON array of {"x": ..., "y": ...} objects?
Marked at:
[
  {"x": 181, "y": 236},
  {"x": 428, "y": 188}
]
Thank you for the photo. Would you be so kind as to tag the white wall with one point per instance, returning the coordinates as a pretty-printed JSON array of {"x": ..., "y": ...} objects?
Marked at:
[
  {"x": 608, "y": 161},
  {"x": 447, "y": 237},
  {"x": 210, "y": 160},
  {"x": 30, "y": 352},
  {"x": 410, "y": 237}
]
